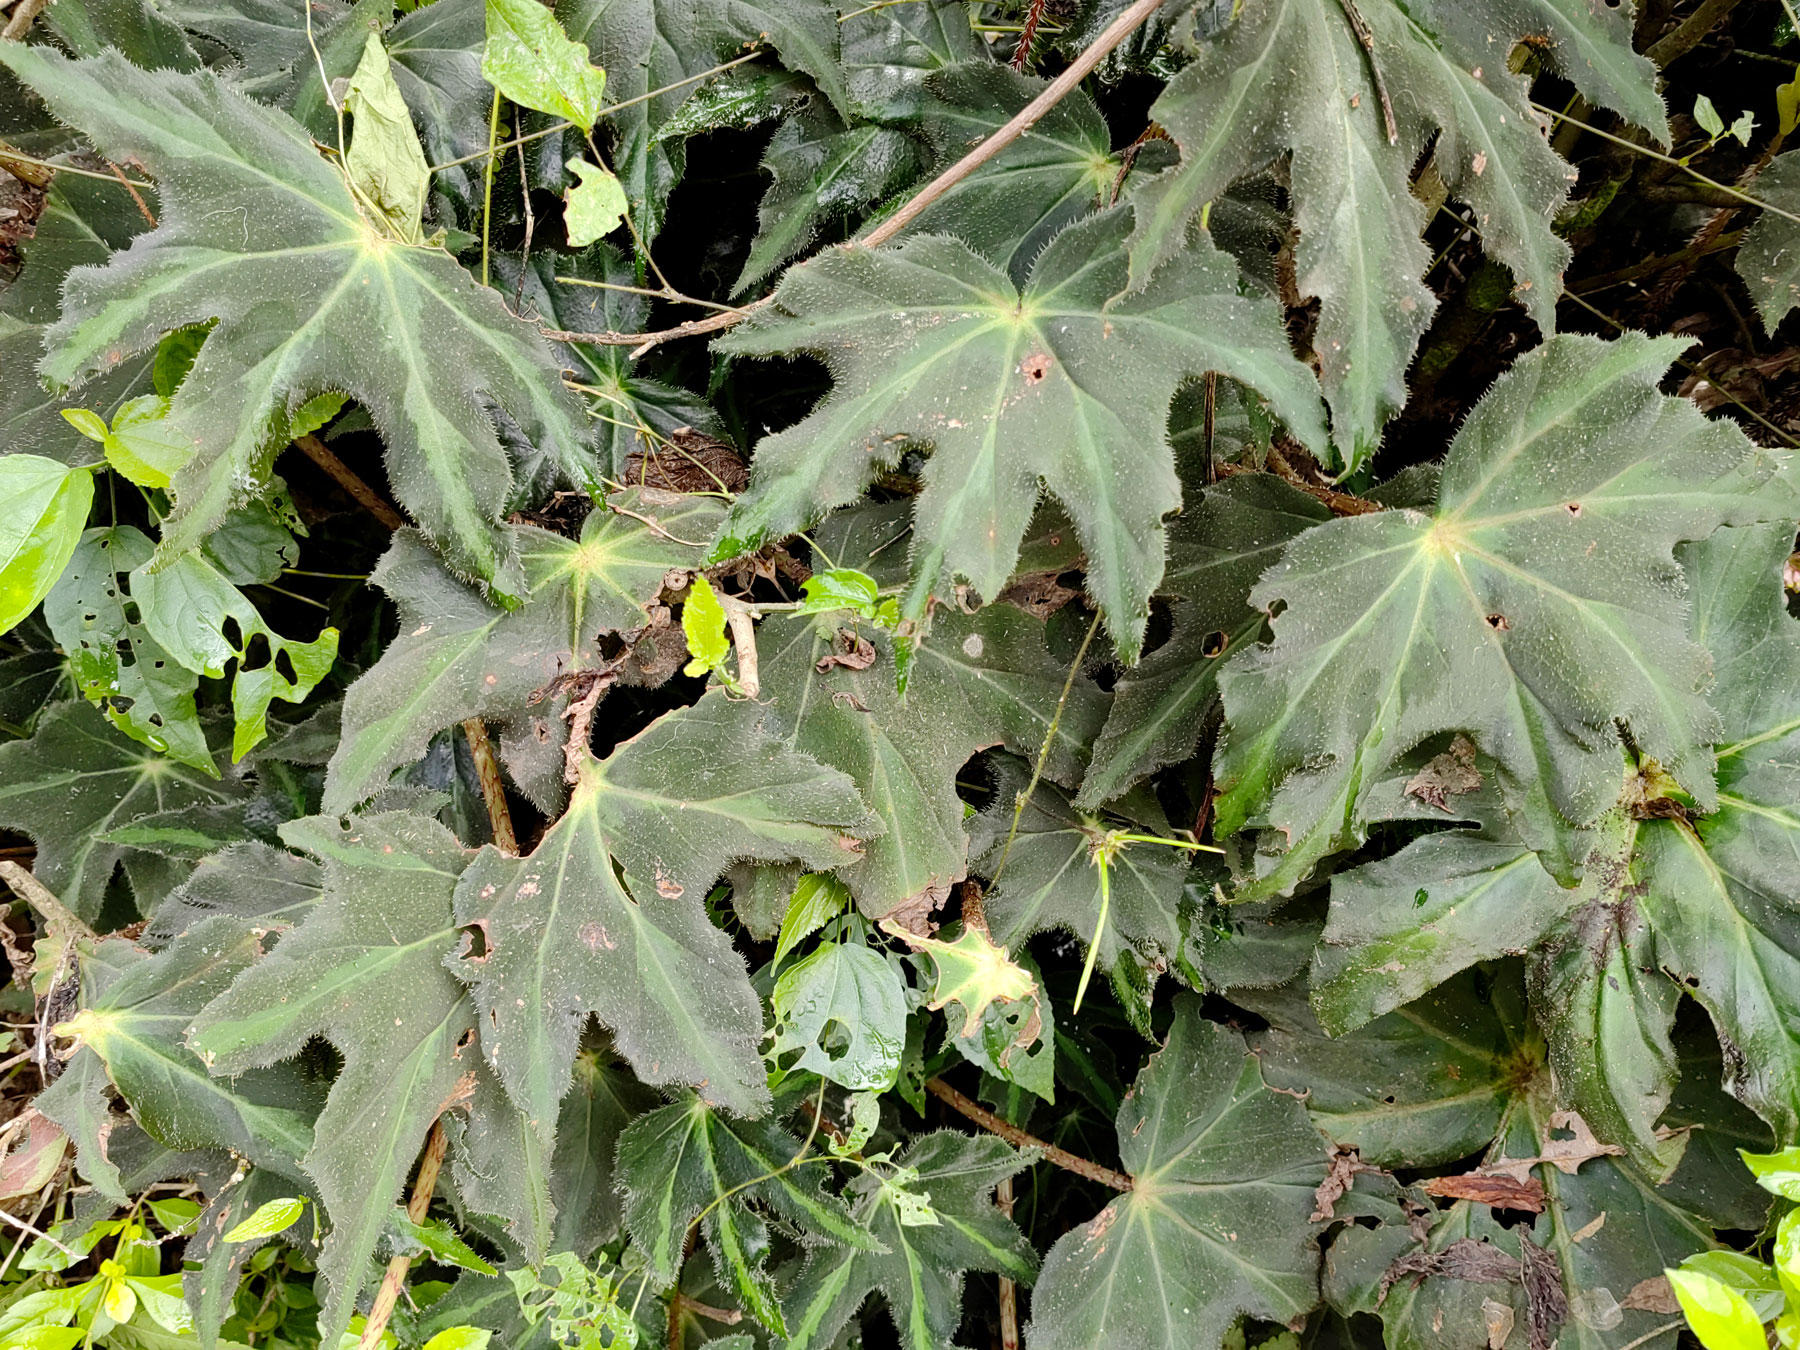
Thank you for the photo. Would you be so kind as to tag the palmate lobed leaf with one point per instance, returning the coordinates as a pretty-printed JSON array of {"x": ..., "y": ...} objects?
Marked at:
[
  {"x": 366, "y": 971},
  {"x": 1216, "y": 1223},
  {"x": 688, "y": 1163},
  {"x": 1439, "y": 70},
  {"x": 1058, "y": 384},
  {"x": 135, "y": 1012},
  {"x": 982, "y": 679},
  {"x": 606, "y": 915},
  {"x": 76, "y": 781},
  {"x": 261, "y": 234},
  {"x": 1704, "y": 897},
  {"x": 1538, "y": 609}
]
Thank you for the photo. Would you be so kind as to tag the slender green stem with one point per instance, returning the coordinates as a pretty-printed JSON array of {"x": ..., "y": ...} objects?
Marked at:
[
  {"x": 1093, "y": 951},
  {"x": 1037, "y": 770},
  {"x": 487, "y": 188},
  {"x": 1674, "y": 163}
]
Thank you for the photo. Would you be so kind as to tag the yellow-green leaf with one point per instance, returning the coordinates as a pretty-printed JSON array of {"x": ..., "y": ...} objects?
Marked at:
[
  {"x": 275, "y": 1217},
  {"x": 703, "y": 623},
  {"x": 386, "y": 167},
  {"x": 1721, "y": 1318},
  {"x": 531, "y": 60},
  {"x": 43, "y": 507},
  {"x": 596, "y": 203}
]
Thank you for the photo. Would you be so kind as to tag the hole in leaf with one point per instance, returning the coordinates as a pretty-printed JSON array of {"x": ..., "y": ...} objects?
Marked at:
[
  {"x": 284, "y": 667},
  {"x": 1214, "y": 645},
  {"x": 1499, "y": 622},
  {"x": 834, "y": 1039},
  {"x": 1574, "y": 508},
  {"x": 255, "y": 654},
  {"x": 1035, "y": 367},
  {"x": 234, "y": 638}
]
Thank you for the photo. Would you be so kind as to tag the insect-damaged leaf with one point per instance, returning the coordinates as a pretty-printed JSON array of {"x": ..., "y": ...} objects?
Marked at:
[
  {"x": 981, "y": 679},
  {"x": 563, "y": 935},
  {"x": 385, "y": 166},
  {"x": 456, "y": 656},
  {"x": 1218, "y": 549},
  {"x": 1437, "y": 70},
  {"x": 365, "y": 971},
  {"x": 1461, "y": 1073},
  {"x": 1537, "y": 610},
  {"x": 931, "y": 1211},
  {"x": 1223, "y": 1175},
  {"x": 1058, "y": 384},
  {"x": 256, "y": 224},
  {"x": 530, "y": 60}
]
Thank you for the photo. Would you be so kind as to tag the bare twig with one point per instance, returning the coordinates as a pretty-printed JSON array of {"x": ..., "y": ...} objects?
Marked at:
[
  {"x": 316, "y": 450},
  {"x": 41, "y": 898},
  {"x": 22, "y": 16},
  {"x": 39, "y": 1234},
  {"x": 1366, "y": 36},
  {"x": 743, "y": 636},
  {"x": 143, "y": 208},
  {"x": 1013, "y": 1135},
  {"x": 423, "y": 1185},
  {"x": 1026, "y": 118},
  {"x": 1687, "y": 35}
]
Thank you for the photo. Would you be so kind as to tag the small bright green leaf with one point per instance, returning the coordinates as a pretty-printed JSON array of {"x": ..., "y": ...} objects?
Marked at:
[
  {"x": 934, "y": 1220},
  {"x": 89, "y": 424},
  {"x": 275, "y": 1217},
  {"x": 1059, "y": 384},
  {"x": 596, "y": 203},
  {"x": 385, "y": 165},
  {"x": 818, "y": 898},
  {"x": 1721, "y": 1318},
  {"x": 1223, "y": 1175},
  {"x": 1708, "y": 117},
  {"x": 839, "y": 588},
  {"x": 140, "y": 446},
  {"x": 530, "y": 60},
  {"x": 188, "y": 609},
  {"x": 1777, "y": 1172},
  {"x": 43, "y": 510},
  {"x": 460, "y": 1338},
  {"x": 441, "y": 1242},
  {"x": 292, "y": 272},
  {"x": 703, "y": 623},
  {"x": 971, "y": 972},
  {"x": 840, "y": 1013}
]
